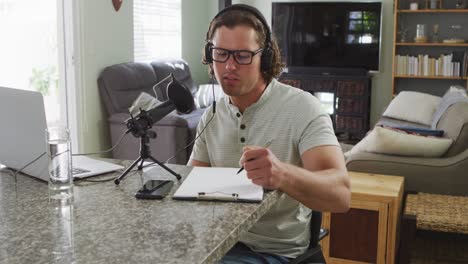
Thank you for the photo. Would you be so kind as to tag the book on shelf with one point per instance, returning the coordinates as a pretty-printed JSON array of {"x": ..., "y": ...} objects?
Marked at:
[
  {"x": 446, "y": 65},
  {"x": 465, "y": 64}
]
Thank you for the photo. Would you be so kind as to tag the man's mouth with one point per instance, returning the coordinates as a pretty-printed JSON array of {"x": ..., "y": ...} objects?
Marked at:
[{"x": 231, "y": 78}]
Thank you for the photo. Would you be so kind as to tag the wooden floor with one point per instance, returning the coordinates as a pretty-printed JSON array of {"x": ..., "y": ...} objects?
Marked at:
[{"x": 432, "y": 248}]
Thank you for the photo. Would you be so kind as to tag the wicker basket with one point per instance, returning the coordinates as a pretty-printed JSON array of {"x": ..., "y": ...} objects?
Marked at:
[{"x": 437, "y": 212}]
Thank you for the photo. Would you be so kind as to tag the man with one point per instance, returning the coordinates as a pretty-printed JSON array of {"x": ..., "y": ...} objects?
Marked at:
[{"x": 303, "y": 159}]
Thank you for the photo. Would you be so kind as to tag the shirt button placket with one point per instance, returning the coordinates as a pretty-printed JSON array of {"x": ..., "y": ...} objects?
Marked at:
[{"x": 242, "y": 137}]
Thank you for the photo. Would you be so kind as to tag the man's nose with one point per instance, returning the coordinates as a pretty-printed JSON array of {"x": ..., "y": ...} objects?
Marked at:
[{"x": 231, "y": 64}]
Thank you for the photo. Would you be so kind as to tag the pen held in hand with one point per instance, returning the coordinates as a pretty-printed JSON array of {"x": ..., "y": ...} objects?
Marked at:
[{"x": 242, "y": 168}]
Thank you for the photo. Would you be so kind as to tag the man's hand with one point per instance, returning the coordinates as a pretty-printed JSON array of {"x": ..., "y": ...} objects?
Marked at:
[{"x": 262, "y": 167}]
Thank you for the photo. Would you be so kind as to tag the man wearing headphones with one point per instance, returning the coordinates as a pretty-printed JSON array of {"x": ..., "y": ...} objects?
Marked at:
[{"x": 278, "y": 133}]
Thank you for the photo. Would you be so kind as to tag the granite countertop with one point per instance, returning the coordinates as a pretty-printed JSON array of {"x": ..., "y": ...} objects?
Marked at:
[{"x": 106, "y": 224}]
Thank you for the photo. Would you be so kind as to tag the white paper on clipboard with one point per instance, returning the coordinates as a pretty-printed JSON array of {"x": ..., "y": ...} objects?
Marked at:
[{"x": 212, "y": 183}]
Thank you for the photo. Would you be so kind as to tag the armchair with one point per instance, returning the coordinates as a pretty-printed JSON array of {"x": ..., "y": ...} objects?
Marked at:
[
  {"x": 314, "y": 252},
  {"x": 442, "y": 175},
  {"x": 119, "y": 85}
]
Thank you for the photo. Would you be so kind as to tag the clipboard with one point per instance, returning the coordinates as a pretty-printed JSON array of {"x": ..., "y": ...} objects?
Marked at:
[{"x": 218, "y": 184}]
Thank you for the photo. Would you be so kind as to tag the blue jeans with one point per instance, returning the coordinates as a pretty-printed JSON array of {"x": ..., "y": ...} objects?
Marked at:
[{"x": 241, "y": 254}]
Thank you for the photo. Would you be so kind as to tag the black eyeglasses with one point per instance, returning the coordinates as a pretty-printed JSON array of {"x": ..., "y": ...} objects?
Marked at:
[{"x": 243, "y": 57}]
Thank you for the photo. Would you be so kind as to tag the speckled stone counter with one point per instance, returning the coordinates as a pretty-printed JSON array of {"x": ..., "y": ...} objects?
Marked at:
[{"x": 106, "y": 224}]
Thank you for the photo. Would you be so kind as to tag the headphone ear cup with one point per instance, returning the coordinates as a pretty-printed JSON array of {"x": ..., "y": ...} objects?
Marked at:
[
  {"x": 266, "y": 60},
  {"x": 208, "y": 57}
]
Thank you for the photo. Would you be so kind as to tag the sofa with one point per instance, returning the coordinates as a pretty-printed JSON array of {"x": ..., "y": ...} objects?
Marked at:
[
  {"x": 447, "y": 174},
  {"x": 119, "y": 85}
]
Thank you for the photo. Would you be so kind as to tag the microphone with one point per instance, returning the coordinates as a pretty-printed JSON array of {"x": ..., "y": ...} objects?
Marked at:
[{"x": 179, "y": 98}]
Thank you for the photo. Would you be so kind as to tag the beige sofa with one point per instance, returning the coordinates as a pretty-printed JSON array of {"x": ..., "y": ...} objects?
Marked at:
[{"x": 445, "y": 175}]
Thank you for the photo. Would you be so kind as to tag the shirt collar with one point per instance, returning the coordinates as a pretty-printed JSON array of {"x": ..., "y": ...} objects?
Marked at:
[{"x": 263, "y": 99}]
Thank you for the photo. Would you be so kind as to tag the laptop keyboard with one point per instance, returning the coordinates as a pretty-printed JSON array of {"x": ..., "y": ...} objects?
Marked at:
[{"x": 76, "y": 171}]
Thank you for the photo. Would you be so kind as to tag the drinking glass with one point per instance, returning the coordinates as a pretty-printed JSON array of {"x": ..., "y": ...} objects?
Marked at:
[{"x": 59, "y": 158}]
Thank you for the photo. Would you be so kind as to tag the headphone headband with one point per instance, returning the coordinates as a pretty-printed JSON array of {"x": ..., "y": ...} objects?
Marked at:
[
  {"x": 267, "y": 53},
  {"x": 254, "y": 11}
]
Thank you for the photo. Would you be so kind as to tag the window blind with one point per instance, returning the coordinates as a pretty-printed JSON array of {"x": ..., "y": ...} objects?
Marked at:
[{"x": 157, "y": 29}]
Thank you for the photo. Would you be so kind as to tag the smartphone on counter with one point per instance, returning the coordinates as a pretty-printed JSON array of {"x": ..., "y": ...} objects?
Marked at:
[{"x": 154, "y": 189}]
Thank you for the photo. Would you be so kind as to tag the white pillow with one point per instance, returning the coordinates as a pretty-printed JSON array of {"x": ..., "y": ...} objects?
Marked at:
[
  {"x": 413, "y": 107},
  {"x": 390, "y": 141},
  {"x": 204, "y": 95},
  {"x": 145, "y": 102},
  {"x": 454, "y": 95},
  {"x": 457, "y": 88}
]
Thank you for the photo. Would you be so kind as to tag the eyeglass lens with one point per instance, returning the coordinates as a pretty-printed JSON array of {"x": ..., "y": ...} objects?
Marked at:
[{"x": 240, "y": 56}]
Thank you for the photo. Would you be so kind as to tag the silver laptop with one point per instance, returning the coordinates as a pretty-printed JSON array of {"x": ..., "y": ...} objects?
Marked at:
[{"x": 22, "y": 137}]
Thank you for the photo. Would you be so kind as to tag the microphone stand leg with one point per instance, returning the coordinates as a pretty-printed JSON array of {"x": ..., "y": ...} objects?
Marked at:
[
  {"x": 140, "y": 167},
  {"x": 165, "y": 167},
  {"x": 145, "y": 153},
  {"x": 117, "y": 181}
]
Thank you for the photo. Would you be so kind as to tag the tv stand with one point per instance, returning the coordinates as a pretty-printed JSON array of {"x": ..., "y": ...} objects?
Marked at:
[
  {"x": 328, "y": 71},
  {"x": 351, "y": 97}
]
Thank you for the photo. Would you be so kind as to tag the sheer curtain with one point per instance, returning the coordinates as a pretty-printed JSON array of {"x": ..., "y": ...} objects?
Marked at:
[{"x": 157, "y": 29}]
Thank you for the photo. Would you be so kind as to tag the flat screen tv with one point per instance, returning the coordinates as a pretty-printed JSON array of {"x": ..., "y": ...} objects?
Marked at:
[{"x": 328, "y": 34}]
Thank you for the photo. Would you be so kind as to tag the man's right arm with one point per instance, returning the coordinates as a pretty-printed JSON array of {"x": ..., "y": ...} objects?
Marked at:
[{"x": 197, "y": 163}]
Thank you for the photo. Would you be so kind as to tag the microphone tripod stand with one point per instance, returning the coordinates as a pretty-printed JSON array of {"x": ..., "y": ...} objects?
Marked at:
[{"x": 145, "y": 153}]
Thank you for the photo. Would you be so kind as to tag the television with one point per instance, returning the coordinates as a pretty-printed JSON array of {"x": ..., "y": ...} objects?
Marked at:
[{"x": 328, "y": 35}]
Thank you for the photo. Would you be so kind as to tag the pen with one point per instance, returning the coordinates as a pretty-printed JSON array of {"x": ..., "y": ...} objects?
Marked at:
[{"x": 242, "y": 168}]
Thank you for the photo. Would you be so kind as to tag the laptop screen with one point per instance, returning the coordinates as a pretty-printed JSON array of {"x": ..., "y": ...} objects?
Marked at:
[{"x": 22, "y": 136}]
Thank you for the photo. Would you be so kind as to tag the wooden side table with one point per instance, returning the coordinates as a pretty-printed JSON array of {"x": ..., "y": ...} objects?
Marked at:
[{"x": 367, "y": 233}]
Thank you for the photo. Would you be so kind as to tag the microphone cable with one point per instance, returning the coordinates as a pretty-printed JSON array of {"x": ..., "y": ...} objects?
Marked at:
[
  {"x": 104, "y": 151},
  {"x": 15, "y": 172},
  {"x": 201, "y": 132},
  {"x": 100, "y": 152},
  {"x": 113, "y": 177}
]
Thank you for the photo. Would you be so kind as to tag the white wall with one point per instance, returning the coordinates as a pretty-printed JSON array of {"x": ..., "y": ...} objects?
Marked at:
[
  {"x": 382, "y": 81},
  {"x": 106, "y": 38},
  {"x": 196, "y": 16}
]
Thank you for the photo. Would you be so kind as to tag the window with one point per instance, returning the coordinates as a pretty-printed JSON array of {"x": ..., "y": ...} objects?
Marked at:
[
  {"x": 36, "y": 53},
  {"x": 326, "y": 100},
  {"x": 362, "y": 27},
  {"x": 157, "y": 29},
  {"x": 29, "y": 51}
]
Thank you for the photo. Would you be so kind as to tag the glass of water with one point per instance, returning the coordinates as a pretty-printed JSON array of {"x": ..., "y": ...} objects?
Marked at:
[{"x": 59, "y": 158}]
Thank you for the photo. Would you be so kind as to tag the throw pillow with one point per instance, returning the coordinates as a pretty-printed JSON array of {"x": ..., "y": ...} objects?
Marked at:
[
  {"x": 395, "y": 142},
  {"x": 143, "y": 101},
  {"x": 413, "y": 107},
  {"x": 420, "y": 131}
]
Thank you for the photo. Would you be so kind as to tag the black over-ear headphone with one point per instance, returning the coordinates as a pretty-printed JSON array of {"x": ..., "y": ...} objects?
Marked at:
[{"x": 267, "y": 53}]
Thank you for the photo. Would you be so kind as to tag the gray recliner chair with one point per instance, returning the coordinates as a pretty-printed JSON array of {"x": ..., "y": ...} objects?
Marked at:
[
  {"x": 442, "y": 175},
  {"x": 120, "y": 84}
]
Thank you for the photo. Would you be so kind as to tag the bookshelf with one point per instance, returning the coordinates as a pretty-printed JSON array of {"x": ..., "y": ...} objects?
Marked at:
[{"x": 430, "y": 65}]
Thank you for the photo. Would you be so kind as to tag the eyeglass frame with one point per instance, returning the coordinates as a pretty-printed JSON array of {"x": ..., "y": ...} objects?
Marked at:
[{"x": 232, "y": 52}]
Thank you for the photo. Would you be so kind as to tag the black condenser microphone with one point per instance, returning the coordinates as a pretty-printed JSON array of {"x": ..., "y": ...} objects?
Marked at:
[{"x": 179, "y": 98}]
